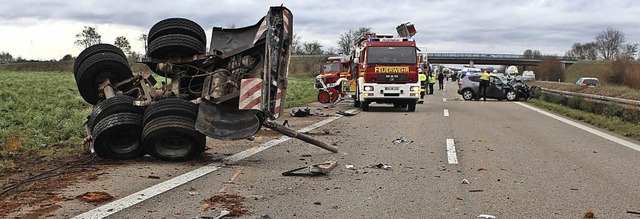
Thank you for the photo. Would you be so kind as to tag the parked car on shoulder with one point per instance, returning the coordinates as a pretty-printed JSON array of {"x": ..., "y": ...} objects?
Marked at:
[
  {"x": 499, "y": 88},
  {"x": 588, "y": 82}
]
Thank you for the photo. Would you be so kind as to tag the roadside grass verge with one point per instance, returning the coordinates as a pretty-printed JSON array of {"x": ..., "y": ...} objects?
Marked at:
[
  {"x": 618, "y": 91},
  {"x": 611, "y": 123},
  {"x": 44, "y": 112}
]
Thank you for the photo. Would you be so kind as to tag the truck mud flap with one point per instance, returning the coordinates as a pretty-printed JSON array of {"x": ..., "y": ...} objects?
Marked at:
[{"x": 226, "y": 122}]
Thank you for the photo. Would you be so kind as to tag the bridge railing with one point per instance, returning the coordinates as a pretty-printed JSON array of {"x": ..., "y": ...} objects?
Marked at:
[{"x": 496, "y": 56}]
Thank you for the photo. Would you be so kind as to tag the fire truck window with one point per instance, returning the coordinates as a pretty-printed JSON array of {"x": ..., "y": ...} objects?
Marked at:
[
  {"x": 333, "y": 67},
  {"x": 392, "y": 55}
]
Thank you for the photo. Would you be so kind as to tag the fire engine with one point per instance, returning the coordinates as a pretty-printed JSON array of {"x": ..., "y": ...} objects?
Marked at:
[
  {"x": 335, "y": 80},
  {"x": 387, "y": 71}
]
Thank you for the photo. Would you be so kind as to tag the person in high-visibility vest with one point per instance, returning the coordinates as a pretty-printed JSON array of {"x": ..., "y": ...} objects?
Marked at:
[
  {"x": 431, "y": 79},
  {"x": 484, "y": 84},
  {"x": 423, "y": 82}
]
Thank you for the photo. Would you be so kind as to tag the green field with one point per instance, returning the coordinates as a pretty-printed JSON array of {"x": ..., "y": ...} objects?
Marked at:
[{"x": 44, "y": 111}]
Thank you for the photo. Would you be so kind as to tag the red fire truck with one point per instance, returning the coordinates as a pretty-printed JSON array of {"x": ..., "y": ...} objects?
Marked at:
[
  {"x": 386, "y": 69},
  {"x": 334, "y": 80}
]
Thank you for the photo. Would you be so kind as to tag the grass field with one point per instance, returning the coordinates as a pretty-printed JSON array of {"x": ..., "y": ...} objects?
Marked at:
[{"x": 44, "y": 111}]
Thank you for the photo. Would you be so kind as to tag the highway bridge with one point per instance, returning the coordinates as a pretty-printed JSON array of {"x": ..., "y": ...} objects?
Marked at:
[{"x": 494, "y": 59}]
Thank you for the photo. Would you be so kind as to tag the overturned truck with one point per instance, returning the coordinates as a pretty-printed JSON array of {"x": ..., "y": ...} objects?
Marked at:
[{"x": 227, "y": 93}]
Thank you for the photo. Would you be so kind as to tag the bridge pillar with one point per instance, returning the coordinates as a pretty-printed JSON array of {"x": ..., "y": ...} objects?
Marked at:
[{"x": 471, "y": 63}]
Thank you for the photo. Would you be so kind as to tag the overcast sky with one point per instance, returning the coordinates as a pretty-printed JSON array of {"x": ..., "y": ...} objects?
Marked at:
[{"x": 45, "y": 30}]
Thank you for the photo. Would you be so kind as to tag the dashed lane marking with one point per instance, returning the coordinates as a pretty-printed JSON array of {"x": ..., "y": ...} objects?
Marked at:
[
  {"x": 446, "y": 113},
  {"x": 451, "y": 152}
]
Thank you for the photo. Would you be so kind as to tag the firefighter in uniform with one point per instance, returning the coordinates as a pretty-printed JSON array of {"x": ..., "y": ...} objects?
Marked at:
[
  {"x": 423, "y": 82},
  {"x": 431, "y": 79}
]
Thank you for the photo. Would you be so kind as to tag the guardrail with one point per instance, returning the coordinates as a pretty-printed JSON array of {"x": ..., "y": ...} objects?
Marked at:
[{"x": 629, "y": 104}]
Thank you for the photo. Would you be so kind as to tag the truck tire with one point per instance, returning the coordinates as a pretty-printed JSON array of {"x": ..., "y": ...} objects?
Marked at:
[
  {"x": 173, "y": 138},
  {"x": 365, "y": 106},
  {"x": 97, "y": 48},
  {"x": 96, "y": 68},
  {"x": 117, "y": 104},
  {"x": 177, "y": 26},
  {"x": 117, "y": 136},
  {"x": 411, "y": 107},
  {"x": 170, "y": 107},
  {"x": 175, "y": 45}
]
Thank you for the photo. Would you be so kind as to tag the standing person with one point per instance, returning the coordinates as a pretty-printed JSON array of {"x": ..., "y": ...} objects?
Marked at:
[
  {"x": 484, "y": 84},
  {"x": 431, "y": 78},
  {"x": 441, "y": 81},
  {"x": 423, "y": 82}
]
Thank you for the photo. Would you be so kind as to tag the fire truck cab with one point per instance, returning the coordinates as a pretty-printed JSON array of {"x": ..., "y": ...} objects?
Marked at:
[{"x": 386, "y": 69}]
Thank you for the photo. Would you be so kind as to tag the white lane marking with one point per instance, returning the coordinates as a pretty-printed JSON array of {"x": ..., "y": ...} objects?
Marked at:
[
  {"x": 135, "y": 198},
  {"x": 586, "y": 128},
  {"x": 451, "y": 152},
  {"x": 444, "y": 100},
  {"x": 446, "y": 113}
]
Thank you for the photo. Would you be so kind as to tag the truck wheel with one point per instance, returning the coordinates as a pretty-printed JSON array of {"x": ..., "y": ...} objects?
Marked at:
[
  {"x": 170, "y": 107},
  {"x": 365, "y": 106},
  {"x": 97, "y": 48},
  {"x": 96, "y": 68},
  {"x": 411, "y": 107},
  {"x": 324, "y": 97},
  {"x": 173, "y": 138},
  {"x": 512, "y": 95},
  {"x": 117, "y": 136},
  {"x": 117, "y": 104},
  {"x": 175, "y": 45},
  {"x": 467, "y": 94},
  {"x": 334, "y": 93},
  {"x": 177, "y": 26}
]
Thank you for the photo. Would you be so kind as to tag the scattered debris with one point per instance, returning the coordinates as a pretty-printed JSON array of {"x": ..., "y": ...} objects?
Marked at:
[
  {"x": 153, "y": 177},
  {"x": 265, "y": 216},
  {"x": 458, "y": 198},
  {"x": 482, "y": 169},
  {"x": 465, "y": 181},
  {"x": 401, "y": 140},
  {"x": 476, "y": 190},
  {"x": 286, "y": 123},
  {"x": 314, "y": 170},
  {"x": 633, "y": 212},
  {"x": 95, "y": 197},
  {"x": 347, "y": 113},
  {"x": 306, "y": 155},
  {"x": 383, "y": 166},
  {"x": 223, "y": 213},
  {"x": 488, "y": 216},
  {"x": 232, "y": 202},
  {"x": 441, "y": 169},
  {"x": 589, "y": 214},
  {"x": 254, "y": 197},
  {"x": 301, "y": 113},
  {"x": 317, "y": 203},
  {"x": 349, "y": 167},
  {"x": 194, "y": 193}
]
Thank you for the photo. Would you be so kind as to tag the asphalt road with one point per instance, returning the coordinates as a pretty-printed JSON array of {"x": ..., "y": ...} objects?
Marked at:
[{"x": 518, "y": 163}]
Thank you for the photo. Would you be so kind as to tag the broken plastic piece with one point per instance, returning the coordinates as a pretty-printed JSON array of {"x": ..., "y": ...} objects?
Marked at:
[
  {"x": 383, "y": 166},
  {"x": 349, "y": 167},
  {"x": 314, "y": 170},
  {"x": 465, "y": 181},
  {"x": 400, "y": 140},
  {"x": 488, "y": 216},
  {"x": 223, "y": 213},
  {"x": 346, "y": 113},
  {"x": 301, "y": 113}
]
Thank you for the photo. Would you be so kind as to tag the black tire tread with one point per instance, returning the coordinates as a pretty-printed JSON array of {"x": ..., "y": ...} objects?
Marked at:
[
  {"x": 177, "y": 26},
  {"x": 117, "y": 104},
  {"x": 170, "y": 107},
  {"x": 97, "y": 48},
  {"x": 116, "y": 121},
  {"x": 174, "y": 124},
  {"x": 175, "y": 44}
]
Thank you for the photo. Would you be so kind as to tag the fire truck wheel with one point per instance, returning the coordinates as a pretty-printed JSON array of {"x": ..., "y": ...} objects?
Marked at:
[
  {"x": 117, "y": 136},
  {"x": 95, "y": 69},
  {"x": 170, "y": 107},
  {"x": 177, "y": 26},
  {"x": 117, "y": 104},
  {"x": 411, "y": 107},
  {"x": 334, "y": 94},
  {"x": 175, "y": 45},
  {"x": 173, "y": 138},
  {"x": 97, "y": 48},
  {"x": 365, "y": 106},
  {"x": 324, "y": 97}
]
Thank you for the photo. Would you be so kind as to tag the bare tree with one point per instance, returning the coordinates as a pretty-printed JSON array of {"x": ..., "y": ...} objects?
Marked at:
[
  {"x": 628, "y": 52},
  {"x": 609, "y": 42},
  {"x": 122, "y": 43},
  {"x": 144, "y": 37},
  {"x": 5, "y": 58},
  {"x": 312, "y": 48},
  {"x": 88, "y": 37},
  {"x": 67, "y": 57},
  {"x": 296, "y": 45},
  {"x": 550, "y": 69},
  {"x": 331, "y": 51},
  {"x": 348, "y": 39},
  {"x": 530, "y": 54}
]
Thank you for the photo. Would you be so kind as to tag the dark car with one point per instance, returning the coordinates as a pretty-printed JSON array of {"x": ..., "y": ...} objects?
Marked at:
[{"x": 499, "y": 88}]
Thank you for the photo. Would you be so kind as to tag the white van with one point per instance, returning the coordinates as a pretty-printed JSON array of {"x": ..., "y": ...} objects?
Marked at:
[{"x": 528, "y": 76}]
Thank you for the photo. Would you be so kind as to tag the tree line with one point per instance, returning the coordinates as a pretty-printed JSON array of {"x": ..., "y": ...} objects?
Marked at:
[{"x": 610, "y": 44}]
